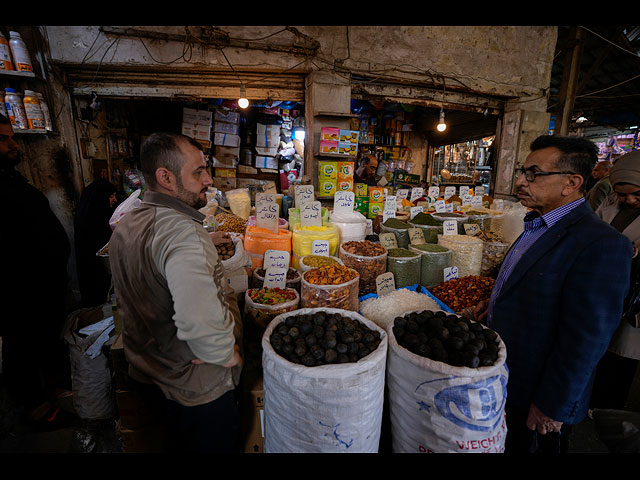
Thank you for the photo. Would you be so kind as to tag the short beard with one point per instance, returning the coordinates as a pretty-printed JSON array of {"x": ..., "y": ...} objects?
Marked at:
[{"x": 190, "y": 198}]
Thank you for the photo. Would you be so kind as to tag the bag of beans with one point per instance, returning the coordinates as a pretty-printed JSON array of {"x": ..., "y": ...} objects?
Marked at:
[
  {"x": 333, "y": 286},
  {"x": 441, "y": 407},
  {"x": 405, "y": 266},
  {"x": 328, "y": 407}
]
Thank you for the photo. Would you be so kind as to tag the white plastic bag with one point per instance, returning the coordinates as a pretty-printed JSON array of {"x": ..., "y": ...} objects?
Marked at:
[
  {"x": 132, "y": 202},
  {"x": 438, "y": 408},
  {"x": 323, "y": 409},
  {"x": 240, "y": 258}
]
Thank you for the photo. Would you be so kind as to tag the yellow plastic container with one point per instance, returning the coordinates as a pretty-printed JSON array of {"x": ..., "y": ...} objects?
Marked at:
[{"x": 303, "y": 237}]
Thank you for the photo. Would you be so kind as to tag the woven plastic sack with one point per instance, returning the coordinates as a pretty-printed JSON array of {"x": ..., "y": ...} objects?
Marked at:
[
  {"x": 438, "y": 408},
  {"x": 368, "y": 267},
  {"x": 343, "y": 296},
  {"x": 334, "y": 408}
]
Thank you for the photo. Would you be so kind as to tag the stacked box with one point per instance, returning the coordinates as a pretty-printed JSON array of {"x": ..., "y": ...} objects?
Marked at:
[
  {"x": 348, "y": 142},
  {"x": 362, "y": 205},
  {"x": 267, "y": 143},
  {"x": 197, "y": 124},
  {"x": 344, "y": 179},
  {"x": 327, "y": 178},
  {"x": 376, "y": 201}
]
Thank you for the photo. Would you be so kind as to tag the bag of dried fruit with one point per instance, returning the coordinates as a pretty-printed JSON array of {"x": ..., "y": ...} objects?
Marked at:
[
  {"x": 326, "y": 408},
  {"x": 438, "y": 407},
  {"x": 330, "y": 286}
]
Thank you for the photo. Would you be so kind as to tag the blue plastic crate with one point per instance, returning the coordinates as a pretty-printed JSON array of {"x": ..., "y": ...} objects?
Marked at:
[{"x": 414, "y": 288}]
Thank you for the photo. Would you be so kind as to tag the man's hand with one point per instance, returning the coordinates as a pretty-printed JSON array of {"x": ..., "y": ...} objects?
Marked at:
[
  {"x": 480, "y": 311},
  {"x": 539, "y": 421},
  {"x": 220, "y": 237}
]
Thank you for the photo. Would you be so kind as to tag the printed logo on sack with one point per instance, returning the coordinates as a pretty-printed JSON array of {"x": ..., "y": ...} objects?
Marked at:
[{"x": 475, "y": 406}]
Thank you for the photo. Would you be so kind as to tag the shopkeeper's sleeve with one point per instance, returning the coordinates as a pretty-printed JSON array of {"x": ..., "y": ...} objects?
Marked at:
[{"x": 206, "y": 315}]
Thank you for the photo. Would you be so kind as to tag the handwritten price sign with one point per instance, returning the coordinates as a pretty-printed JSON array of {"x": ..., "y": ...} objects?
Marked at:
[
  {"x": 343, "y": 202},
  {"x": 275, "y": 277},
  {"x": 276, "y": 259},
  {"x": 385, "y": 283},
  {"x": 310, "y": 214},
  {"x": 450, "y": 227},
  {"x": 267, "y": 214},
  {"x": 450, "y": 273},
  {"x": 320, "y": 247}
]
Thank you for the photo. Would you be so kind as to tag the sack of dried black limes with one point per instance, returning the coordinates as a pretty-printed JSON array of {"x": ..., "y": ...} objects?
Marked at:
[
  {"x": 323, "y": 378},
  {"x": 447, "y": 384}
]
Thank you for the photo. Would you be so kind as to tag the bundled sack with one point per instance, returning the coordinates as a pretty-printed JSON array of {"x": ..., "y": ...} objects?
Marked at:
[
  {"x": 441, "y": 407},
  {"x": 329, "y": 408},
  {"x": 132, "y": 202}
]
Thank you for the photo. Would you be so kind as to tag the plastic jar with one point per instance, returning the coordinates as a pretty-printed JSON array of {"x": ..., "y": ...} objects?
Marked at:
[
  {"x": 15, "y": 108},
  {"x": 20, "y": 53},
  {"x": 48, "y": 124},
  {"x": 368, "y": 259},
  {"x": 330, "y": 291},
  {"x": 405, "y": 266},
  {"x": 5, "y": 54},
  {"x": 466, "y": 253},
  {"x": 399, "y": 228},
  {"x": 433, "y": 260},
  {"x": 33, "y": 111}
]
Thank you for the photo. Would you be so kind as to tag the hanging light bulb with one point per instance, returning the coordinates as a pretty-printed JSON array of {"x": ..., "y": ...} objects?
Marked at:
[
  {"x": 243, "y": 102},
  {"x": 441, "y": 125}
]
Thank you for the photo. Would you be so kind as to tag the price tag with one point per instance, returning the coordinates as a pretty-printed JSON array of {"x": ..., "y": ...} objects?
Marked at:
[
  {"x": 464, "y": 190},
  {"x": 276, "y": 259},
  {"x": 416, "y": 236},
  {"x": 416, "y": 192},
  {"x": 441, "y": 206},
  {"x": 449, "y": 192},
  {"x": 303, "y": 194},
  {"x": 389, "y": 210},
  {"x": 388, "y": 240},
  {"x": 385, "y": 283},
  {"x": 434, "y": 192},
  {"x": 479, "y": 191},
  {"x": 343, "y": 202},
  {"x": 471, "y": 229},
  {"x": 310, "y": 214},
  {"x": 450, "y": 273},
  {"x": 466, "y": 199},
  {"x": 275, "y": 277},
  {"x": 448, "y": 208},
  {"x": 402, "y": 193},
  {"x": 476, "y": 201},
  {"x": 263, "y": 197},
  {"x": 267, "y": 214},
  {"x": 320, "y": 247},
  {"x": 450, "y": 227},
  {"x": 415, "y": 211}
]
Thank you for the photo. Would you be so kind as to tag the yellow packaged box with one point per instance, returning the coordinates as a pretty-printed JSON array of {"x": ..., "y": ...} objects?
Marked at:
[
  {"x": 376, "y": 195},
  {"x": 327, "y": 170},
  {"x": 375, "y": 208},
  {"x": 361, "y": 190},
  {"x": 327, "y": 187}
]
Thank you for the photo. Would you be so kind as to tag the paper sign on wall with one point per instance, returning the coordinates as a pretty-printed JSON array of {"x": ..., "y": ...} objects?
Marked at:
[
  {"x": 303, "y": 194},
  {"x": 320, "y": 247},
  {"x": 310, "y": 214},
  {"x": 450, "y": 227},
  {"x": 450, "y": 273},
  {"x": 267, "y": 214},
  {"x": 276, "y": 259},
  {"x": 416, "y": 192},
  {"x": 385, "y": 283},
  {"x": 416, "y": 236},
  {"x": 275, "y": 277},
  {"x": 415, "y": 211},
  {"x": 388, "y": 240},
  {"x": 343, "y": 202}
]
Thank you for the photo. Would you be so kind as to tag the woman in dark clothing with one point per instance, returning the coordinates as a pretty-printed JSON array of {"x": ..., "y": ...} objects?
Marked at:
[{"x": 92, "y": 232}]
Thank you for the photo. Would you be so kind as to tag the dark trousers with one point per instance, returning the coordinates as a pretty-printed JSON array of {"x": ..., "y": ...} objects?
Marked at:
[
  {"x": 614, "y": 377},
  {"x": 213, "y": 427},
  {"x": 522, "y": 440}
]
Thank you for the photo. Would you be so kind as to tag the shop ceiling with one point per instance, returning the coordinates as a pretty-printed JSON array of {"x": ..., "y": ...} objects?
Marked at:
[{"x": 606, "y": 76}]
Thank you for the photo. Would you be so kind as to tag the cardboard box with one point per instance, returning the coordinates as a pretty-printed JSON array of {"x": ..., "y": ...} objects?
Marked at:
[
  {"x": 252, "y": 405},
  {"x": 197, "y": 131},
  {"x": 262, "y": 161},
  {"x": 376, "y": 195},
  {"x": 348, "y": 149},
  {"x": 327, "y": 188},
  {"x": 328, "y": 146},
  {"x": 226, "y": 116},
  {"x": 361, "y": 190},
  {"x": 226, "y": 140},
  {"x": 330, "y": 134},
  {"x": 267, "y": 151},
  {"x": 224, "y": 183},
  {"x": 344, "y": 185},
  {"x": 267, "y": 135},
  {"x": 133, "y": 412},
  {"x": 226, "y": 157},
  {"x": 225, "y": 172},
  {"x": 349, "y": 136},
  {"x": 345, "y": 176},
  {"x": 143, "y": 440},
  {"x": 202, "y": 117},
  {"x": 327, "y": 170},
  {"x": 375, "y": 208},
  {"x": 222, "y": 127},
  {"x": 362, "y": 205}
]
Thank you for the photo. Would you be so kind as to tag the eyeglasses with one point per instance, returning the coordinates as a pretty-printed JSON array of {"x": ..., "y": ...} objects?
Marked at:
[{"x": 530, "y": 175}]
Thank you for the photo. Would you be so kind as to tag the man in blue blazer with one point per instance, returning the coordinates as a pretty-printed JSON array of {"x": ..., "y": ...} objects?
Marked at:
[{"x": 558, "y": 297}]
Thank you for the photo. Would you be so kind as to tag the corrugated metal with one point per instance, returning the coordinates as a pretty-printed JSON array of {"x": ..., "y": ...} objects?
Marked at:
[{"x": 195, "y": 83}]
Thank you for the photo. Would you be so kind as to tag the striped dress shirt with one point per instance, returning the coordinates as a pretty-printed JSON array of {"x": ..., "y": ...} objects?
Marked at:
[{"x": 535, "y": 226}]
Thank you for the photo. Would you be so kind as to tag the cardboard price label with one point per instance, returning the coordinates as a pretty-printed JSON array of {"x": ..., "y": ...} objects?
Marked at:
[
  {"x": 450, "y": 273},
  {"x": 471, "y": 229},
  {"x": 388, "y": 240},
  {"x": 416, "y": 192},
  {"x": 449, "y": 192},
  {"x": 466, "y": 199},
  {"x": 402, "y": 193},
  {"x": 416, "y": 236},
  {"x": 320, "y": 247},
  {"x": 476, "y": 201},
  {"x": 415, "y": 211},
  {"x": 385, "y": 283},
  {"x": 343, "y": 202},
  {"x": 303, "y": 194},
  {"x": 450, "y": 227},
  {"x": 267, "y": 214},
  {"x": 263, "y": 197},
  {"x": 310, "y": 214},
  {"x": 276, "y": 259},
  {"x": 441, "y": 206},
  {"x": 464, "y": 190},
  {"x": 434, "y": 192},
  {"x": 448, "y": 208},
  {"x": 275, "y": 277},
  {"x": 479, "y": 191},
  {"x": 389, "y": 210}
]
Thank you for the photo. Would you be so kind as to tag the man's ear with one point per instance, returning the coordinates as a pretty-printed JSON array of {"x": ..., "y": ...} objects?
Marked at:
[
  {"x": 165, "y": 178},
  {"x": 574, "y": 183}
]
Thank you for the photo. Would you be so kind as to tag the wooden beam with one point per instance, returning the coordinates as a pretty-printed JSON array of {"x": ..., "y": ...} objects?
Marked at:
[{"x": 569, "y": 83}]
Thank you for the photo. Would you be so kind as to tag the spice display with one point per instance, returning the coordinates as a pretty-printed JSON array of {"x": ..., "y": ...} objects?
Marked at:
[
  {"x": 447, "y": 338},
  {"x": 368, "y": 259},
  {"x": 315, "y": 261},
  {"x": 423, "y": 218},
  {"x": 322, "y": 338},
  {"x": 352, "y": 226},
  {"x": 226, "y": 250},
  {"x": 293, "y": 278},
  {"x": 294, "y": 216},
  {"x": 405, "y": 266},
  {"x": 227, "y": 222},
  {"x": 463, "y": 292},
  {"x": 430, "y": 226},
  {"x": 264, "y": 304},
  {"x": 433, "y": 260},
  {"x": 399, "y": 228},
  {"x": 382, "y": 310},
  {"x": 466, "y": 253},
  {"x": 333, "y": 286},
  {"x": 458, "y": 217},
  {"x": 480, "y": 218}
]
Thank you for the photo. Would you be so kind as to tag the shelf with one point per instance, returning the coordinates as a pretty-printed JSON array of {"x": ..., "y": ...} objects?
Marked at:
[
  {"x": 32, "y": 132},
  {"x": 334, "y": 114},
  {"x": 336, "y": 155},
  {"x": 16, "y": 74}
]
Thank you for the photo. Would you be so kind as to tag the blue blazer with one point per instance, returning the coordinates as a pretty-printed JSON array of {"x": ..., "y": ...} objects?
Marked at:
[{"x": 558, "y": 310}]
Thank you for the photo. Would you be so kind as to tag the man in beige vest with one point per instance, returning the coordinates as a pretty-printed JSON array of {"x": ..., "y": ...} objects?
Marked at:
[{"x": 180, "y": 321}]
